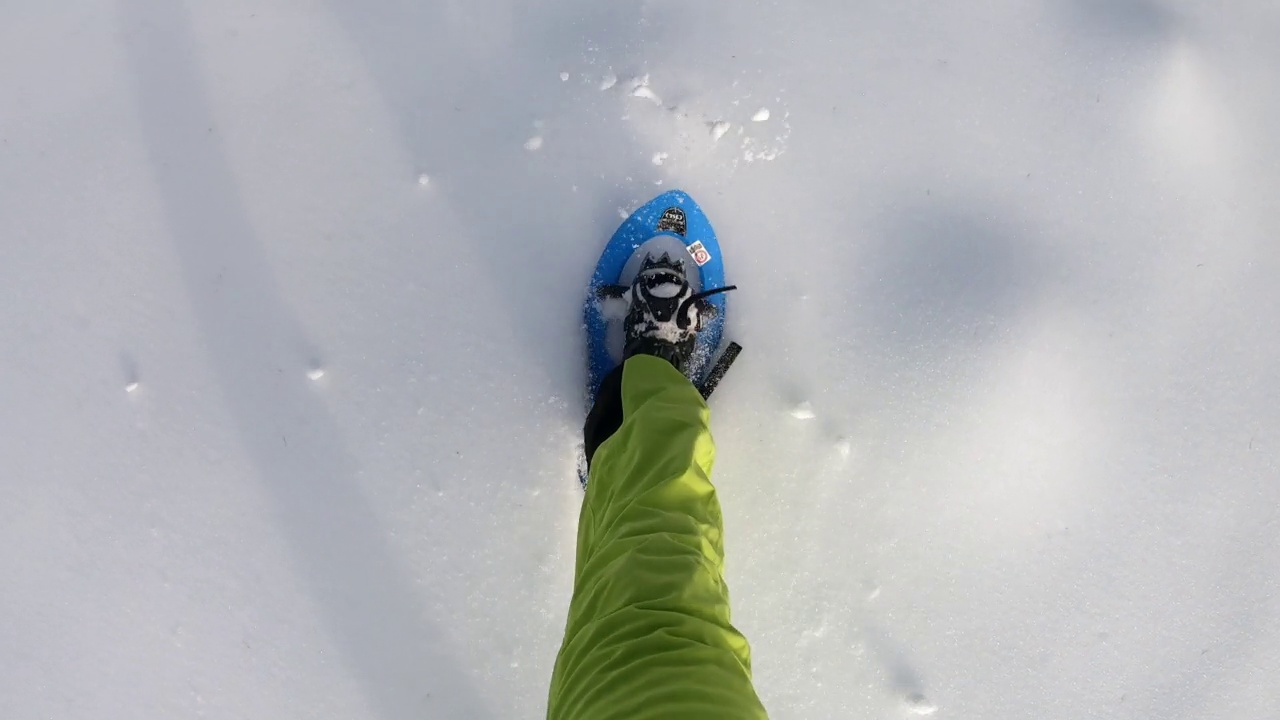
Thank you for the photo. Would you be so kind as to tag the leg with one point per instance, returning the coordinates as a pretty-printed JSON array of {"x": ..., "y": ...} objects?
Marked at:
[{"x": 648, "y": 634}]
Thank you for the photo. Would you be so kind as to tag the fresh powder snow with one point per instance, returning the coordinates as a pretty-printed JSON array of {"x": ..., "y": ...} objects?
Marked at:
[{"x": 292, "y": 367}]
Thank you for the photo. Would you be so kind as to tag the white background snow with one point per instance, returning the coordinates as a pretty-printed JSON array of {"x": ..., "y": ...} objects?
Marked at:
[{"x": 286, "y": 432}]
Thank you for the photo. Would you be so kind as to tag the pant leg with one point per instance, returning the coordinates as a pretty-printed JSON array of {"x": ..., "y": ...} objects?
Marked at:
[{"x": 648, "y": 634}]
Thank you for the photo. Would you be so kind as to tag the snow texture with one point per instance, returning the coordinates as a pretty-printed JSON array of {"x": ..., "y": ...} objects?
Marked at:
[{"x": 1019, "y": 258}]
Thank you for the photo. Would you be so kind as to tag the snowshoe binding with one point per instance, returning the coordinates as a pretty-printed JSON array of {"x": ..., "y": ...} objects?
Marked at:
[{"x": 664, "y": 317}]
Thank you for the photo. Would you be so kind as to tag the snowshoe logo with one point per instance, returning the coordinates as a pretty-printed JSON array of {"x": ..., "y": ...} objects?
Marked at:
[
  {"x": 673, "y": 220},
  {"x": 699, "y": 253}
]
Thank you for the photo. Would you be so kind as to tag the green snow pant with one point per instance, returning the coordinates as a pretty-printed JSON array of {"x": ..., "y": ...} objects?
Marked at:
[{"x": 648, "y": 634}]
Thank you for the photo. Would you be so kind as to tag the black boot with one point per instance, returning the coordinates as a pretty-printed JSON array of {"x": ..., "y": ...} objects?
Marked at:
[
  {"x": 663, "y": 319},
  {"x": 664, "y": 315}
]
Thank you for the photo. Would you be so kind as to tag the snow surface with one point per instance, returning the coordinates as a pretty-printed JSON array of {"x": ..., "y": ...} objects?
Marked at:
[{"x": 288, "y": 432}]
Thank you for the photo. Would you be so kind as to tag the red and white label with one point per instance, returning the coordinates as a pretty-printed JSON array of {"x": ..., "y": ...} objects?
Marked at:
[{"x": 700, "y": 254}]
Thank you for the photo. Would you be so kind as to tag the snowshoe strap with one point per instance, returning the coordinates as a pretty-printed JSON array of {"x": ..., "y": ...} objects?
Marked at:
[{"x": 719, "y": 370}]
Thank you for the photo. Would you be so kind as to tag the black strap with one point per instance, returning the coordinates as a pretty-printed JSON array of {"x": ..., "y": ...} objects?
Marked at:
[{"x": 719, "y": 370}]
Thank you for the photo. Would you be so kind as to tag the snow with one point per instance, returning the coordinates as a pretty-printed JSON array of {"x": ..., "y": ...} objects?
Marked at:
[
  {"x": 804, "y": 411},
  {"x": 1017, "y": 257},
  {"x": 647, "y": 93}
]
